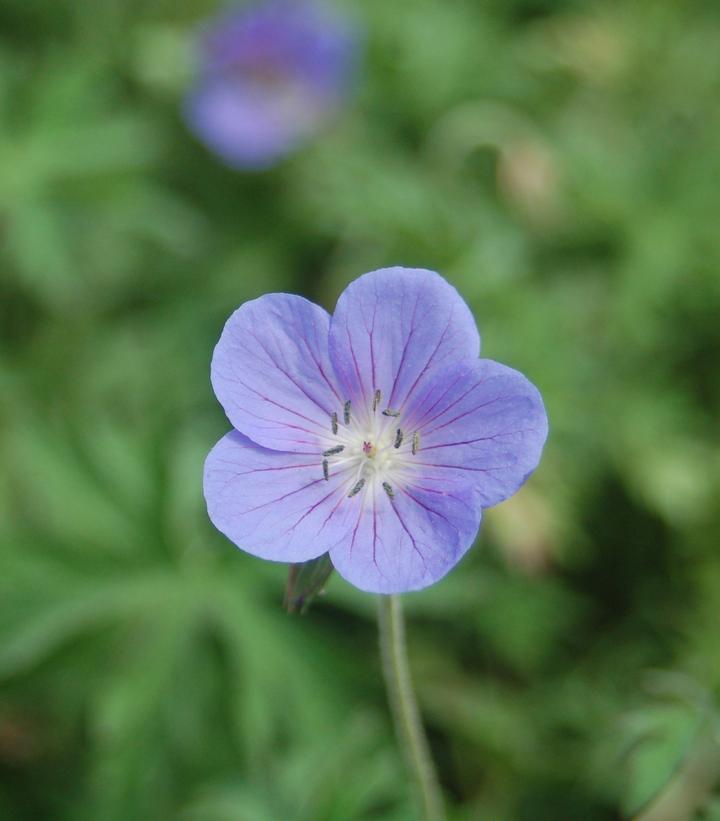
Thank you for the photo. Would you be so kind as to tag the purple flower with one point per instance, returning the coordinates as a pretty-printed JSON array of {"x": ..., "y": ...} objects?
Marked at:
[
  {"x": 376, "y": 435},
  {"x": 270, "y": 77}
]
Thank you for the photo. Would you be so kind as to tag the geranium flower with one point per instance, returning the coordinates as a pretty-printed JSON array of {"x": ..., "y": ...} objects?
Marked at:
[
  {"x": 270, "y": 77},
  {"x": 375, "y": 435}
]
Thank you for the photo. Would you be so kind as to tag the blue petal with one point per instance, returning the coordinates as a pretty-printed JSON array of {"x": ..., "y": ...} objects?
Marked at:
[
  {"x": 272, "y": 375},
  {"x": 246, "y": 129},
  {"x": 394, "y": 330},
  {"x": 409, "y": 541},
  {"x": 482, "y": 423},
  {"x": 275, "y": 505}
]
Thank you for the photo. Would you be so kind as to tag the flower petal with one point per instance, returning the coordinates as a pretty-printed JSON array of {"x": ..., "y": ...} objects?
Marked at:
[
  {"x": 270, "y": 76},
  {"x": 410, "y": 541},
  {"x": 393, "y": 330},
  {"x": 272, "y": 375},
  {"x": 272, "y": 504},
  {"x": 246, "y": 129},
  {"x": 482, "y": 421}
]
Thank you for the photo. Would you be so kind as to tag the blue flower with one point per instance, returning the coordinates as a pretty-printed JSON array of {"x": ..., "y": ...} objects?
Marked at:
[
  {"x": 376, "y": 435},
  {"x": 270, "y": 78}
]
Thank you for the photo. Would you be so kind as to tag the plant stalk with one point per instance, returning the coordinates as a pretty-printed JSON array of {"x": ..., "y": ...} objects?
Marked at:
[{"x": 403, "y": 704}]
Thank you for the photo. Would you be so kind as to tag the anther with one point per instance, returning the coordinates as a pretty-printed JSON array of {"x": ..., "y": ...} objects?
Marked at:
[
  {"x": 388, "y": 489},
  {"x": 376, "y": 400},
  {"x": 416, "y": 442},
  {"x": 390, "y": 412},
  {"x": 326, "y": 470},
  {"x": 333, "y": 451},
  {"x": 346, "y": 412},
  {"x": 333, "y": 422},
  {"x": 358, "y": 487},
  {"x": 398, "y": 438}
]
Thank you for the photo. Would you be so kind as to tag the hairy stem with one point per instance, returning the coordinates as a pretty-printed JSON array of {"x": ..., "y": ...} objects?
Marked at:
[{"x": 406, "y": 715}]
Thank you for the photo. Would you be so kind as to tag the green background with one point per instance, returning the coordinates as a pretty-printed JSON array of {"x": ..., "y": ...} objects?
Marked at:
[{"x": 559, "y": 163}]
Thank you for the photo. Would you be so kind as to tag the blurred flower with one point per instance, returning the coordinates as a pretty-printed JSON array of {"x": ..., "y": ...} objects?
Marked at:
[
  {"x": 375, "y": 435},
  {"x": 270, "y": 77}
]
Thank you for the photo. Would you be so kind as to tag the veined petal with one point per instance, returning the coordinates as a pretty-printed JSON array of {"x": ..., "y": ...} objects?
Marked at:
[
  {"x": 272, "y": 504},
  {"x": 409, "y": 541},
  {"x": 272, "y": 375},
  {"x": 482, "y": 421},
  {"x": 395, "y": 329}
]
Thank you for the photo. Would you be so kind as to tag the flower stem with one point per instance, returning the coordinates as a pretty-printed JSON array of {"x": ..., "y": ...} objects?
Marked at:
[{"x": 403, "y": 704}]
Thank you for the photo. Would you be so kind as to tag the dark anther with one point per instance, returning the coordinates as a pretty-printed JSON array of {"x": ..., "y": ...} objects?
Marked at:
[
  {"x": 416, "y": 442},
  {"x": 326, "y": 470},
  {"x": 333, "y": 422},
  {"x": 333, "y": 451},
  {"x": 390, "y": 412},
  {"x": 346, "y": 413},
  {"x": 398, "y": 438},
  {"x": 358, "y": 487},
  {"x": 388, "y": 489},
  {"x": 376, "y": 400}
]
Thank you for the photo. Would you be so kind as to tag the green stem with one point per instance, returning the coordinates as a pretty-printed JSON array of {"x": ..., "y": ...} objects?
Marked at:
[{"x": 406, "y": 715}]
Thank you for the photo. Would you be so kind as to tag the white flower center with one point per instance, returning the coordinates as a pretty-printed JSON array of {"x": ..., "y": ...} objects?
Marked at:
[{"x": 370, "y": 448}]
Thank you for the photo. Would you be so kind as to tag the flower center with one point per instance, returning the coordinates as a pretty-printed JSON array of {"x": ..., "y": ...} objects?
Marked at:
[{"x": 370, "y": 448}]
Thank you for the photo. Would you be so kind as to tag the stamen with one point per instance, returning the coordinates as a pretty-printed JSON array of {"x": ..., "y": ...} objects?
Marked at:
[
  {"x": 326, "y": 470},
  {"x": 376, "y": 400},
  {"x": 416, "y": 442},
  {"x": 398, "y": 438},
  {"x": 388, "y": 489},
  {"x": 333, "y": 451},
  {"x": 346, "y": 413},
  {"x": 390, "y": 412},
  {"x": 358, "y": 487},
  {"x": 333, "y": 422}
]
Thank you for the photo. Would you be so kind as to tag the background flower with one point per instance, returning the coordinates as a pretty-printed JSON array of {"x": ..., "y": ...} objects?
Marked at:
[{"x": 270, "y": 76}]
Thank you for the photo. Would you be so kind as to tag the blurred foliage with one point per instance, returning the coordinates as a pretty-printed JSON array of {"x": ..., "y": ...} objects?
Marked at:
[{"x": 559, "y": 163}]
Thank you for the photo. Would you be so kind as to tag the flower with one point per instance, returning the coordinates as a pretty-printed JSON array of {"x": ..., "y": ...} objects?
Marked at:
[
  {"x": 376, "y": 435},
  {"x": 270, "y": 77}
]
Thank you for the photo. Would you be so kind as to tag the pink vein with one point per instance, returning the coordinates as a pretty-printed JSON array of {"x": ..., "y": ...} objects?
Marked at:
[
  {"x": 322, "y": 371},
  {"x": 312, "y": 509},
  {"x": 286, "y": 374},
  {"x": 430, "y": 509},
  {"x": 464, "y": 467},
  {"x": 331, "y": 514},
  {"x": 239, "y": 381},
  {"x": 355, "y": 530},
  {"x": 281, "y": 498},
  {"x": 401, "y": 364},
  {"x": 355, "y": 362},
  {"x": 465, "y": 413},
  {"x": 372, "y": 342},
  {"x": 264, "y": 470},
  {"x": 480, "y": 439},
  {"x": 430, "y": 359},
  {"x": 405, "y": 528},
  {"x": 437, "y": 402}
]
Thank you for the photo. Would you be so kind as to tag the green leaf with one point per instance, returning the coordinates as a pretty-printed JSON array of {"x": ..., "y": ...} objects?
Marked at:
[{"x": 666, "y": 737}]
